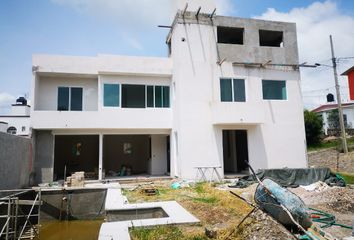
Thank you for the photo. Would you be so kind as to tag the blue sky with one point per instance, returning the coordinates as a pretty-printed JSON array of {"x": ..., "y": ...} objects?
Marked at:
[{"x": 128, "y": 27}]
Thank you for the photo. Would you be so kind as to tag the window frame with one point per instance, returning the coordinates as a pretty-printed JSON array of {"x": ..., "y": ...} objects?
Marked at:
[
  {"x": 69, "y": 102},
  {"x": 119, "y": 95},
  {"x": 286, "y": 90},
  {"x": 232, "y": 89},
  {"x": 162, "y": 95}
]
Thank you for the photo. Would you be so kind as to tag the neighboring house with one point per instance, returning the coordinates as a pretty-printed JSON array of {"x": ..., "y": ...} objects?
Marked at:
[
  {"x": 18, "y": 121},
  {"x": 350, "y": 74},
  {"x": 324, "y": 111},
  {"x": 228, "y": 92}
]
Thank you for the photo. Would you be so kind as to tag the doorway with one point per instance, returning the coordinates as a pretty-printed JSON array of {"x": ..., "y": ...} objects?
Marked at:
[{"x": 235, "y": 151}]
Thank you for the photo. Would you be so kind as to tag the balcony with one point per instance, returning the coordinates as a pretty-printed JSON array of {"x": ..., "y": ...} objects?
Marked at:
[{"x": 122, "y": 118}]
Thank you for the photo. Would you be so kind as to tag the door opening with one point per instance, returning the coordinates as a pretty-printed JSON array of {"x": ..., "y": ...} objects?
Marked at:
[{"x": 235, "y": 151}]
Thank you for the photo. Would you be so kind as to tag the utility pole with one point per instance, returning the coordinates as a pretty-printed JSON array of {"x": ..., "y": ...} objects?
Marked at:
[{"x": 339, "y": 101}]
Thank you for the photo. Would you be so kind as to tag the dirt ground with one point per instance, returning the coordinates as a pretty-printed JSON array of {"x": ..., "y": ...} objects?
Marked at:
[{"x": 219, "y": 212}]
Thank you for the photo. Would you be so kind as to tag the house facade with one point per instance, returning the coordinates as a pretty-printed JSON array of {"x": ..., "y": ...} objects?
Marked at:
[
  {"x": 228, "y": 92},
  {"x": 17, "y": 122},
  {"x": 325, "y": 110}
]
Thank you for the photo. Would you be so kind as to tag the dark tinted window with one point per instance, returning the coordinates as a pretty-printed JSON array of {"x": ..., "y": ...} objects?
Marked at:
[
  {"x": 150, "y": 96},
  {"x": 76, "y": 99},
  {"x": 274, "y": 90},
  {"x": 63, "y": 99},
  {"x": 166, "y": 96},
  {"x": 226, "y": 90},
  {"x": 158, "y": 96},
  {"x": 239, "y": 90},
  {"x": 133, "y": 96}
]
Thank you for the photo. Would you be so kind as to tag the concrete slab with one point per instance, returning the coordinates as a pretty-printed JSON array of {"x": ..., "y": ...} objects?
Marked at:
[{"x": 120, "y": 229}]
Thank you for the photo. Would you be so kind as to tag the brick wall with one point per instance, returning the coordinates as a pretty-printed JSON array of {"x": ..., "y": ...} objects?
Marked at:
[{"x": 333, "y": 159}]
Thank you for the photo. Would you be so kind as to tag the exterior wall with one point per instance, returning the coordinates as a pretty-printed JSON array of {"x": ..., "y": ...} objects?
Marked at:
[
  {"x": 44, "y": 156},
  {"x": 276, "y": 135},
  {"x": 15, "y": 160},
  {"x": 20, "y": 110},
  {"x": 250, "y": 51},
  {"x": 47, "y": 96},
  {"x": 348, "y": 111},
  {"x": 18, "y": 122},
  {"x": 331, "y": 158}
]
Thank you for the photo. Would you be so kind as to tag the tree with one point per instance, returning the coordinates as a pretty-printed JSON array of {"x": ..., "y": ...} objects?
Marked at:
[{"x": 313, "y": 127}]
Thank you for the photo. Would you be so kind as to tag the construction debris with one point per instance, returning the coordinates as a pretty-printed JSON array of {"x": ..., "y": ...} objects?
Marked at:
[{"x": 76, "y": 179}]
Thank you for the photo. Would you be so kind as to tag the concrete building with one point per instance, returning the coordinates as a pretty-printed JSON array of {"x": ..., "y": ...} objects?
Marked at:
[
  {"x": 229, "y": 91},
  {"x": 324, "y": 111},
  {"x": 18, "y": 121}
]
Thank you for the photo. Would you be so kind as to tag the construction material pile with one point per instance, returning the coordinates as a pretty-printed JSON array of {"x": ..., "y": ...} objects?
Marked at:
[{"x": 76, "y": 179}]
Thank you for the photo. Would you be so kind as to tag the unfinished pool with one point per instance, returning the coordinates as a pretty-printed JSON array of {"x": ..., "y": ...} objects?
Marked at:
[{"x": 135, "y": 214}]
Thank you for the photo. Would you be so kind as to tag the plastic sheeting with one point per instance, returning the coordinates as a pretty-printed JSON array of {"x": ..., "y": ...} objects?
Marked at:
[{"x": 293, "y": 177}]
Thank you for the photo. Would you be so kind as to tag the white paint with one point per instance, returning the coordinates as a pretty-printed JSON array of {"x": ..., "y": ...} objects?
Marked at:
[
  {"x": 276, "y": 135},
  {"x": 158, "y": 162},
  {"x": 19, "y": 117},
  {"x": 347, "y": 110}
]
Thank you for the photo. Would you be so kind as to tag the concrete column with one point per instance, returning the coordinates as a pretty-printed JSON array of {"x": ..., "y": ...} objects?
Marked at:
[{"x": 100, "y": 157}]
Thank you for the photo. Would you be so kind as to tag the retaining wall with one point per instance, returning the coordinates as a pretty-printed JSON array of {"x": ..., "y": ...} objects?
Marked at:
[
  {"x": 15, "y": 161},
  {"x": 333, "y": 159}
]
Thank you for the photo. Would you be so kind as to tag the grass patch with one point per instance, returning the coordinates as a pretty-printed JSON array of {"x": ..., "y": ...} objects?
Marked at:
[
  {"x": 210, "y": 205},
  {"x": 199, "y": 188},
  {"x": 162, "y": 232},
  {"x": 331, "y": 144},
  {"x": 209, "y": 200},
  {"x": 348, "y": 177}
]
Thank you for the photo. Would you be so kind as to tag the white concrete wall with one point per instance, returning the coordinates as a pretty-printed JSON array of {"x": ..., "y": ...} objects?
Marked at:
[
  {"x": 349, "y": 111},
  {"x": 158, "y": 161},
  {"x": 20, "y": 110},
  {"x": 276, "y": 136},
  {"x": 47, "y": 95},
  {"x": 19, "y": 123}
]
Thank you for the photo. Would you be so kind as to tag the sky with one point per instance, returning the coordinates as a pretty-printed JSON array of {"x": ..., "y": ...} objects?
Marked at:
[{"x": 129, "y": 27}]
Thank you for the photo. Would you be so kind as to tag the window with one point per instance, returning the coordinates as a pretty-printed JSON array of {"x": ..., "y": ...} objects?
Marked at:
[
  {"x": 230, "y": 35},
  {"x": 63, "y": 99},
  {"x": 133, "y": 96},
  {"x": 76, "y": 99},
  {"x": 158, "y": 96},
  {"x": 232, "y": 90},
  {"x": 270, "y": 38},
  {"x": 11, "y": 130},
  {"x": 274, "y": 90},
  {"x": 69, "y": 97},
  {"x": 23, "y": 128},
  {"x": 111, "y": 95}
]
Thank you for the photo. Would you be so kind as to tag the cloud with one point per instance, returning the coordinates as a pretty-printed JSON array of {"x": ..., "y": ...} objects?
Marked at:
[
  {"x": 314, "y": 25},
  {"x": 6, "y": 99}
]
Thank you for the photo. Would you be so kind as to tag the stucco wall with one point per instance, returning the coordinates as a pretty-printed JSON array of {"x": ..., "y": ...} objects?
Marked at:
[
  {"x": 333, "y": 159},
  {"x": 15, "y": 161},
  {"x": 47, "y": 95}
]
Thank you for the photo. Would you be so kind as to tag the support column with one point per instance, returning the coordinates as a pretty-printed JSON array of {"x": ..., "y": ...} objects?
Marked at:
[{"x": 100, "y": 157}]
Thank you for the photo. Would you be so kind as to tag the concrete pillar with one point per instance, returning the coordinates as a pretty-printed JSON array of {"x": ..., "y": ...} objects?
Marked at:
[{"x": 100, "y": 157}]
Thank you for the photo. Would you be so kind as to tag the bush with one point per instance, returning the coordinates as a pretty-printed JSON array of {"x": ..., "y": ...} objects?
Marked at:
[{"x": 313, "y": 128}]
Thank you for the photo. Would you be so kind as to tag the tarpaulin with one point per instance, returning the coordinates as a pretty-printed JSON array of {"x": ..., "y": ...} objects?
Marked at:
[{"x": 293, "y": 177}]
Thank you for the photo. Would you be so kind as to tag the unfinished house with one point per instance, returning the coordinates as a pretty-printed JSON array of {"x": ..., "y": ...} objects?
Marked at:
[{"x": 228, "y": 92}]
